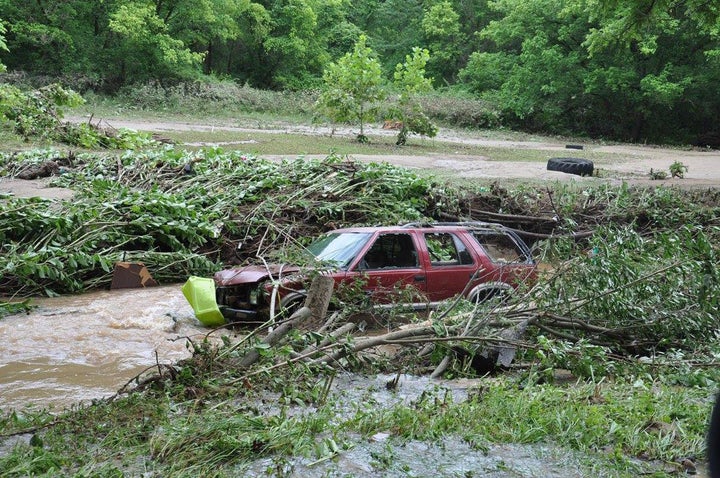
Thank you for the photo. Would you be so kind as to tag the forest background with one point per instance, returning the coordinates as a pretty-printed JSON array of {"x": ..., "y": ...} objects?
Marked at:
[{"x": 623, "y": 70}]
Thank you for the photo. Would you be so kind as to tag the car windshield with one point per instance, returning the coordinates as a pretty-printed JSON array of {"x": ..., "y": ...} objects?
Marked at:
[{"x": 339, "y": 248}]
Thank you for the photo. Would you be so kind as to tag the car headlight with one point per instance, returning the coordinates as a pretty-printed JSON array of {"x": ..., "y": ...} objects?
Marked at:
[{"x": 254, "y": 294}]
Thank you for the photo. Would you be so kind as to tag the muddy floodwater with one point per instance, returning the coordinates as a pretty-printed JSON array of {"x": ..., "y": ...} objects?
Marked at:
[{"x": 77, "y": 348}]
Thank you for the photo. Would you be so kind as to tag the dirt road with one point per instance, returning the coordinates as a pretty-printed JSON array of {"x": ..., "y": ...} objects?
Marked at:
[{"x": 614, "y": 163}]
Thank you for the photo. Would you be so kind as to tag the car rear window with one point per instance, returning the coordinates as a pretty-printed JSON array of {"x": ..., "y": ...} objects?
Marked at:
[{"x": 500, "y": 247}]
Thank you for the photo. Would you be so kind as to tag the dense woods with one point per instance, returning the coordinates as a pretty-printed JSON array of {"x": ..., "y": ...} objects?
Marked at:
[{"x": 620, "y": 70}]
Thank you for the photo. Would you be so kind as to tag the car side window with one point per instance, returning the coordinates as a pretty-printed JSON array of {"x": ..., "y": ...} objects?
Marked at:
[
  {"x": 391, "y": 251},
  {"x": 446, "y": 249},
  {"x": 500, "y": 247}
]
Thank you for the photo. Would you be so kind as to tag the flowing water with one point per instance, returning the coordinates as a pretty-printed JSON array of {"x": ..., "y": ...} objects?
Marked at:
[{"x": 77, "y": 348}]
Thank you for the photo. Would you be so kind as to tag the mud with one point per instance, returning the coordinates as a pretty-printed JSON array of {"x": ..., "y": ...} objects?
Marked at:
[
  {"x": 388, "y": 455},
  {"x": 33, "y": 188},
  {"x": 449, "y": 457},
  {"x": 621, "y": 163}
]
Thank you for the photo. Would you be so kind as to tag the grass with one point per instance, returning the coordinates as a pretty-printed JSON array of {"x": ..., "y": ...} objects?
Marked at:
[{"x": 606, "y": 424}]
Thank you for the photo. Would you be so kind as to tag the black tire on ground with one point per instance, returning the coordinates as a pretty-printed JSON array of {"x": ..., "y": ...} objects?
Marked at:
[
  {"x": 581, "y": 167},
  {"x": 574, "y": 146}
]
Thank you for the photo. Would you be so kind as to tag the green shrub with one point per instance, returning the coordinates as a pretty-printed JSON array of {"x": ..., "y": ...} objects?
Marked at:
[
  {"x": 214, "y": 97},
  {"x": 462, "y": 112}
]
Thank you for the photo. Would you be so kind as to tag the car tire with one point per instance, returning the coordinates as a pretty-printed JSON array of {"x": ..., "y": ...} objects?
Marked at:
[
  {"x": 483, "y": 296},
  {"x": 578, "y": 166},
  {"x": 292, "y": 306}
]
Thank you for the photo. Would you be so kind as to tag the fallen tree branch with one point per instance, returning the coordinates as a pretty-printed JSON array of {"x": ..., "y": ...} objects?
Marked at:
[
  {"x": 577, "y": 324},
  {"x": 274, "y": 337},
  {"x": 379, "y": 340},
  {"x": 307, "y": 318},
  {"x": 333, "y": 336},
  {"x": 556, "y": 333}
]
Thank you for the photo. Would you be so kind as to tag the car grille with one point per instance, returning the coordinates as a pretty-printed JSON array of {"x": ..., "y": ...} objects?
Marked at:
[{"x": 237, "y": 297}]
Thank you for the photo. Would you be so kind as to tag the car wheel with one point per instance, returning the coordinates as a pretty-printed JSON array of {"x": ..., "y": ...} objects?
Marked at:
[
  {"x": 292, "y": 306},
  {"x": 486, "y": 295},
  {"x": 578, "y": 166}
]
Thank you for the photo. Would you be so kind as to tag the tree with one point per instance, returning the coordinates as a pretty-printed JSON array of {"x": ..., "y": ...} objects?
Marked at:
[
  {"x": 441, "y": 26},
  {"x": 148, "y": 48},
  {"x": 535, "y": 71},
  {"x": 243, "y": 57},
  {"x": 410, "y": 80},
  {"x": 353, "y": 87},
  {"x": 626, "y": 22},
  {"x": 37, "y": 113},
  {"x": 36, "y": 36},
  {"x": 294, "y": 50},
  {"x": 393, "y": 25},
  {"x": 203, "y": 25},
  {"x": 118, "y": 42},
  {"x": 541, "y": 73},
  {"x": 3, "y": 45}
]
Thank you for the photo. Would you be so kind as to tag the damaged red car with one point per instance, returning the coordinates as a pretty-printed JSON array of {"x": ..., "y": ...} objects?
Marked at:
[{"x": 434, "y": 261}]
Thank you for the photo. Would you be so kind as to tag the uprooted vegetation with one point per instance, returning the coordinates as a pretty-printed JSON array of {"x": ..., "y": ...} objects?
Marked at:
[
  {"x": 632, "y": 268},
  {"x": 629, "y": 288}
]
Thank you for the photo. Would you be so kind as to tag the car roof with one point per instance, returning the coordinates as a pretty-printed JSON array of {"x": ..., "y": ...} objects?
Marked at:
[{"x": 427, "y": 227}]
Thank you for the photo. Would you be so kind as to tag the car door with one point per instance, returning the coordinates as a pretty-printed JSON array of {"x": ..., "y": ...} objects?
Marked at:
[
  {"x": 450, "y": 266},
  {"x": 389, "y": 269}
]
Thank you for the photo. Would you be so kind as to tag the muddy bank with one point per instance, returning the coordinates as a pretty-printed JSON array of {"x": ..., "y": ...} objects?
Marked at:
[
  {"x": 25, "y": 188},
  {"x": 388, "y": 454},
  {"x": 75, "y": 349}
]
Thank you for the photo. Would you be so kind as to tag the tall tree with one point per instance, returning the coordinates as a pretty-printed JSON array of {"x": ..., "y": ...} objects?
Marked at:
[
  {"x": 410, "y": 81},
  {"x": 295, "y": 51},
  {"x": 243, "y": 57},
  {"x": 353, "y": 87},
  {"x": 119, "y": 41},
  {"x": 146, "y": 46},
  {"x": 632, "y": 21},
  {"x": 543, "y": 76},
  {"x": 38, "y": 33},
  {"x": 203, "y": 25},
  {"x": 441, "y": 26},
  {"x": 393, "y": 27}
]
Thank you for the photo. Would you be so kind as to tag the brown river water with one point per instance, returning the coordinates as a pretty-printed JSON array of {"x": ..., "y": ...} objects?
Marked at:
[{"x": 74, "y": 349}]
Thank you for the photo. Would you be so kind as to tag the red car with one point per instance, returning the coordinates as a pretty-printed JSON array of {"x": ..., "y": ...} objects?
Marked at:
[{"x": 435, "y": 261}]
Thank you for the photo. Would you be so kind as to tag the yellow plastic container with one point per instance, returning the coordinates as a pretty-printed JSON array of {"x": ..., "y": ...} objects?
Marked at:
[{"x": 200, "y": 293}]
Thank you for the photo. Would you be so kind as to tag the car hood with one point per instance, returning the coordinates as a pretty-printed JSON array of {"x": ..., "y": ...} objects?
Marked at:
[{"x": 252, "y": 274}]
